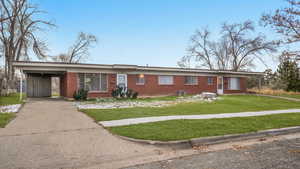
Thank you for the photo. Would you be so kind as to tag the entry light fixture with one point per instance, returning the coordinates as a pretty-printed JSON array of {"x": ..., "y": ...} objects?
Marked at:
[{"x": 141, "y": 76}]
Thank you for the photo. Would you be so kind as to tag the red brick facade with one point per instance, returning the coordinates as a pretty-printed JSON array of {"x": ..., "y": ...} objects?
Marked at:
[
  {"x": 69, "y": 84},
  {"x": 151, "y": 87}
]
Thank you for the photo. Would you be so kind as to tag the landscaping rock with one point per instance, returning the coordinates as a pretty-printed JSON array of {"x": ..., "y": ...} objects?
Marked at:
[
  {"x": 209, "y": 95},
  {"x": 206, "y": 97},
  {"x": 10, "y": 108}
]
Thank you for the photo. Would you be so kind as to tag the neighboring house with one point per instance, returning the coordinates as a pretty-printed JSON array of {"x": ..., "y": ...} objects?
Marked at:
[{"x": 101, "y": 79}]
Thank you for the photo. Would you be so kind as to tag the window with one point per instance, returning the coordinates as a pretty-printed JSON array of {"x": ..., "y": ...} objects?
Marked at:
[
  {"x": 165, "y": 80},
  {"x": 210, "y": 81},
  {"x": 92, "y": 81},
  {"x": 191, "y": 80},
  {"x": 234, "y": 83},
  {"x": 140, "y": 79}
]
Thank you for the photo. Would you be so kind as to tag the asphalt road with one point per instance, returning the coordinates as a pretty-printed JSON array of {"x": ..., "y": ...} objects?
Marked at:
[{"x": 284, "y": 154}]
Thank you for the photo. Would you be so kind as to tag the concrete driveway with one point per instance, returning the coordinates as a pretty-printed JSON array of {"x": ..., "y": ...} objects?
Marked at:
[{"x": 53, "y": 134}]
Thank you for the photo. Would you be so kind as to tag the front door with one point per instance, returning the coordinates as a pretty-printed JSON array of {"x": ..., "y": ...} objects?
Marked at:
[
  {"x": 220, "y": 85},
  {"x": 122, "y": 80}
]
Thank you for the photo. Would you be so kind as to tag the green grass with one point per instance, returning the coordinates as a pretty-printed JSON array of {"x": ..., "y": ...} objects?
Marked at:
[
  {"x": 11, "y": 99},
  {"x": 187, "y": 129},
  {"x": 228, "y": 104},
  {"x": 5, "y": 119}
]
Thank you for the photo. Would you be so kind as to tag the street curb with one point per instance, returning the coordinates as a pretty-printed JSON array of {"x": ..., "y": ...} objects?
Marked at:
[{"x": 217, "y": 139}]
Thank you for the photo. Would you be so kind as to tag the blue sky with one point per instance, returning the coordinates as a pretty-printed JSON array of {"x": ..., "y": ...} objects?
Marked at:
[{"x": 154, "y": 32}]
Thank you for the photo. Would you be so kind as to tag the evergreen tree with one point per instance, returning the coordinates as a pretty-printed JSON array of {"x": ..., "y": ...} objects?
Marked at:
[{"x": 288, "y": 74}]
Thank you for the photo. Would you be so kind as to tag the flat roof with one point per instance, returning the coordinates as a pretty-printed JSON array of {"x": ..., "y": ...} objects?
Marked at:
[{"x": 61, "y": 66}]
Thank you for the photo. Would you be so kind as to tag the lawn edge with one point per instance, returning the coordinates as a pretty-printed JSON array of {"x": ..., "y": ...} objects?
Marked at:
[
  {"x": 10, "y": 120},
  {"x": 216, "y": 139},
  {"x": 15, "y": 114}
]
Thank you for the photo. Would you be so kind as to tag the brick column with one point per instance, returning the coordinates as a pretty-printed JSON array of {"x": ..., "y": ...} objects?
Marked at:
[{"x": 70, "y": 85}]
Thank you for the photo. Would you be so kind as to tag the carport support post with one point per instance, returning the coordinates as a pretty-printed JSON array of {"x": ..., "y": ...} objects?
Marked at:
[{"x": 21, "y": 84}]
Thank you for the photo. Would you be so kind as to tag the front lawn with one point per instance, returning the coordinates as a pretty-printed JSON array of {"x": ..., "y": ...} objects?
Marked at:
[
  {"x": 11, "y": 99},
  {"x": 187, "y": 129},
  {"x": 227, "y": 104},
  {"x": 5, "y": 119}
]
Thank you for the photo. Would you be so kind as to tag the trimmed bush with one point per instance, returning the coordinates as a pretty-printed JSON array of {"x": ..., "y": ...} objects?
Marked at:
[{"x": 80, "y": 94}]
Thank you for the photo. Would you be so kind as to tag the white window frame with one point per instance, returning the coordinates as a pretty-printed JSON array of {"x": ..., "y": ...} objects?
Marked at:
[
  {"x": 195, "y": 82},
  {"x": 137, "y": 80},
  {"x": 125, "y": 76},
  {"x": 164, "y": 76},
  {"x": 237, "y": 85},
  {"x": 212, "y": 80},
  {"x": 100, "y": 79}
]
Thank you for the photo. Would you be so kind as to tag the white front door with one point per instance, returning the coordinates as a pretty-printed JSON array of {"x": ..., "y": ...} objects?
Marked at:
[
  {"x": 220, "y": 84},
  {"x": 122, "y": 80}
]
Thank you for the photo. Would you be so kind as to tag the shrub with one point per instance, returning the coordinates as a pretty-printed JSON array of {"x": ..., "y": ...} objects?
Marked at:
[
  {"x": 135, "y": 95},
  {"x": 80, "y": 94},
  {"x": 129, "y": 93},
  {"x": 125, "y": 93},
  {"x": 118, "y": 92}
]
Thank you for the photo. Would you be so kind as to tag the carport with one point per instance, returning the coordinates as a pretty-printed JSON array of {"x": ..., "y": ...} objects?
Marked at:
[
  {"x": 36, "y": 78},
  {"x": 38, "y": 83}
]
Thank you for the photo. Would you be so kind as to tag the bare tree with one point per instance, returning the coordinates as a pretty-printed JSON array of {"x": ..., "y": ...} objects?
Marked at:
[
  {"x": 200, "y": 50},
  {"x": 286, "y": 22},
  {"x": 80, "y": 50},
  {"x": 244, "y": 49},
  {"x": 235, "y": 50},
  {"x": 18, "y": 32}
]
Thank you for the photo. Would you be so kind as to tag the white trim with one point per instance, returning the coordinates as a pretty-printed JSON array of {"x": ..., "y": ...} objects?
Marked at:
[
  {"x": 125, "y": 76},
  {"x": 238, "y": 83},
  {"x": 162, "y": 84},
  {"x": 138, "y": 83},
  {"x": 127, "y": 68},
  {"x": 191, "y": 84},
  {"x": 210, "y": 84},
  {"x": 220, "y": 91},
  {"x": 94, "y": 91}
]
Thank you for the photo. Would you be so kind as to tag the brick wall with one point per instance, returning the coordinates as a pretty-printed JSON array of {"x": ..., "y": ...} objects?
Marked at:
[
  {"x": 151, "y": 86},
  {"x": 69, "y": 85}
]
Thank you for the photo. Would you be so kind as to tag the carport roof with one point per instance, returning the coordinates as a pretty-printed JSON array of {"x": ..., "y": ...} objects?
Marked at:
[{"x": 30, "y": 66}]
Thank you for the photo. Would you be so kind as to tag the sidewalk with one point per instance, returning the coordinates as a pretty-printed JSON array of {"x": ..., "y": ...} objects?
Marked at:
[
  {"x": 280, "y": 97},
  {"x": 132, "y": 121}
]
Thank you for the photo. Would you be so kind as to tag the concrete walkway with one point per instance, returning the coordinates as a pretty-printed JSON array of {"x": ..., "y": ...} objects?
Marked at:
[
  {"x": 53, "y": 134},
  {"x": 131, "y": 121}
]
